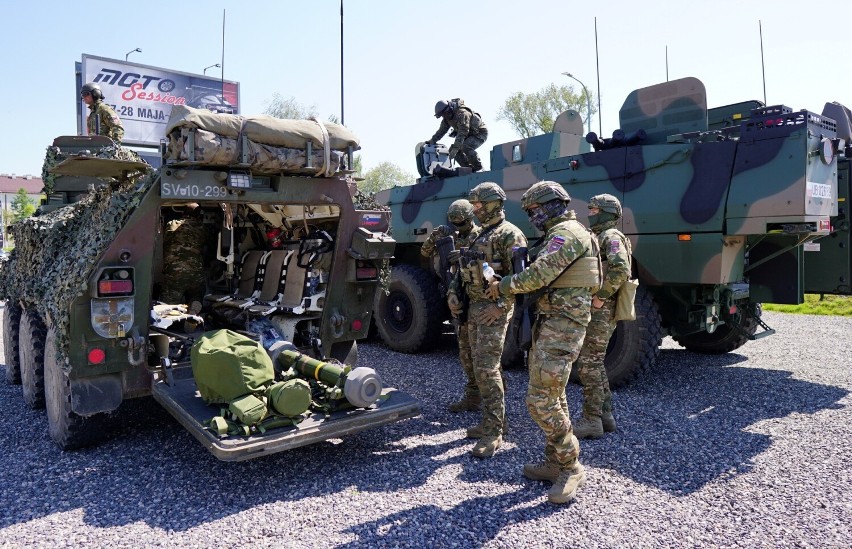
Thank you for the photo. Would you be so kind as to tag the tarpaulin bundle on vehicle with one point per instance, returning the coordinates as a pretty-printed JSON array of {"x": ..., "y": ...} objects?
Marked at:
[{"x": 263, "y": 143}]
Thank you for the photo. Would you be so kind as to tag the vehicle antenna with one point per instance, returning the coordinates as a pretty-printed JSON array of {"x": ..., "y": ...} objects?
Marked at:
[
  {"x": 598, "y": 69},
  {"x": 762, "y": 66}
]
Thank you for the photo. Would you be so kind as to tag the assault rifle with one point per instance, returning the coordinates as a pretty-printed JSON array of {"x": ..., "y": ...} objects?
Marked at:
[{"x": 522, "y": 319}]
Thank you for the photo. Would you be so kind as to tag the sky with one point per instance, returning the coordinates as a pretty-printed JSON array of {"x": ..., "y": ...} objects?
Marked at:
[{"x": 401, "y": 57}]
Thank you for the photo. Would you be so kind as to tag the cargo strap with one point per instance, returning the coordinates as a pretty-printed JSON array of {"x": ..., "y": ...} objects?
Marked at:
[{"x": 326, "y": 168}]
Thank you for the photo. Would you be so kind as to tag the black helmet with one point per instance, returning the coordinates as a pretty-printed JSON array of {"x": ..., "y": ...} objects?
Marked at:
[
  {"x": 92, "y": 89},
  {"x": 441, "y": 107}
]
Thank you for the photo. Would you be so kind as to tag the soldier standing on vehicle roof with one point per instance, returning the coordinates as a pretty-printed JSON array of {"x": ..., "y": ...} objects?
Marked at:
[
  {"x": 102, "y": 119},
  {"x": 460, "y": 214},
  {"x": 569, "y": 271},
  {"x": 468, "y": 129},
  {"x": 489, "y": 318},
  {"x": 604, "y": 213}
]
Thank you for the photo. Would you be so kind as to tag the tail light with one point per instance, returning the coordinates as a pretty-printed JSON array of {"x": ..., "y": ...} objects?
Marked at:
[
  {"x": 365, "y": 270},
  {"x": 115, "y": 282}
]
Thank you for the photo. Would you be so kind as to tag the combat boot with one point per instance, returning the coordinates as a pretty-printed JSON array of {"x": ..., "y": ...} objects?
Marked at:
[
  {"x": 587, "y": 427},
  {"x": 545, "y": 470},
  {"x": 466, "y": 404},
  {"x": 608, "y": 422},
  {"x": 486, "y": 446},
  {"x": 477, "y": 431},
  {"x": 566, "y": 484}
]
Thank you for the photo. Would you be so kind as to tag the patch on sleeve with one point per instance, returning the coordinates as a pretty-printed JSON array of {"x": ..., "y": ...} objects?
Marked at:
[
  {"x": 555, "y": 244},
  {"x": 614, "y": 246}
]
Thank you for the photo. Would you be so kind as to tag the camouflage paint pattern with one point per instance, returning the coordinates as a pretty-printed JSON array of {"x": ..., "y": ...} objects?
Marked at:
[
  {"x": 706, "y": 189},
  {"x": 109, "y": 120},
  {"x": 556, "y": 344}
]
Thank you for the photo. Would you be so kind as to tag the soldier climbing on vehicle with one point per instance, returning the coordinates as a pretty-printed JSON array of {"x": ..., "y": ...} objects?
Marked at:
[
  {"x": 468, "y": 128},
  {"x": 102, "y": 119}
]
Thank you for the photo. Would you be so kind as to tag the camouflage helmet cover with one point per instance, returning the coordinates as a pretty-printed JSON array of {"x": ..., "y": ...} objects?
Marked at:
[
  {"x": 440, "y": 107},
  {"x": 487, "y": 192},
  {"x": 606, "y": 203},
  {"x": 460, "y": 211},
  {"x": 90, "y": 88},
  {"x": 543, "y": 192}
]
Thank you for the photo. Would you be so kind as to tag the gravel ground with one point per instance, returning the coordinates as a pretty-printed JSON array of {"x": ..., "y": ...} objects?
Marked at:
[{"x": 748, "y": 449}]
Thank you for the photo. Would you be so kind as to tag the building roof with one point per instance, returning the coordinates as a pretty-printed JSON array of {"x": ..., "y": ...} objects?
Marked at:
[{"x": 11, "y": 183}]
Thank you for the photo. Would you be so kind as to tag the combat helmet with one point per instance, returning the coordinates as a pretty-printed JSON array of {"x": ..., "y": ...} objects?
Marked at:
[
  {"x": 90, "y": 88},
  {"x": 441, "y": 107},
  {"x": 543, "y": 192},
  {"x": 460, "y": 211},
  {"x": 486, "y": 192},
  {"x": 606, "y": 203}
]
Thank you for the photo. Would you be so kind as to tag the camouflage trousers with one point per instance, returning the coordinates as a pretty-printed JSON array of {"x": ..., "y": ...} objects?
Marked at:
[
  {"x": 471, "y": 389},
  {"x": 597, "y": 398},
  {"x": 486, "y": 343},
  {"x": 556, "y": 344},
  {"x": 467, "y": 156}
]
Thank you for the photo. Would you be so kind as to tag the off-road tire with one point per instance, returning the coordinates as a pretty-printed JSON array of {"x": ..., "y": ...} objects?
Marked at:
[
  {"x": 635, "y": 345},
  {"x": 67, "y": 429},
  {"x": 31, "y": 338},
  {"x": 11, "y": 327},
  {"x": 726, "y": 337},
  {"x": 409, "y": 317}
]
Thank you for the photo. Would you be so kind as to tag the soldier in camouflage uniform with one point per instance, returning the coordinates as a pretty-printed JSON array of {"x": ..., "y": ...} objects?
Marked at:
[
  {"x": 460, "y": 214},
  {"x": 183, "y": 260},
  {"x": 488, "y": 318},
  {"x": 567, "y": 267},
  {"x": 604, "y": 213},
  {"x": 102, "y": 119},
  {"x": 468, "y": 128}
]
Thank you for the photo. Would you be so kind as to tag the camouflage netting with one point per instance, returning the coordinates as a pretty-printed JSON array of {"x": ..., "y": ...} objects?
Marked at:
[
  {"x": 55, "y": 253},
  {"x": 54, "y": 156}
]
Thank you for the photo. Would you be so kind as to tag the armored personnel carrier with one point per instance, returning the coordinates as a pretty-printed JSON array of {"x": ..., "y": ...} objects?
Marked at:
[
  {"x": 720, "y": 206},
  {"x": 101, "y": 306}
]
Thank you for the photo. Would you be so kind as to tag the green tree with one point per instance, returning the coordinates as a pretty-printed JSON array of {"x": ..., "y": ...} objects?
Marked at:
[
  {"x": 287, "y": 107},
  {"x": 384, "y": 176},
  {"x": 22, "y": 206},
  {"x": 532, "y": 114}
]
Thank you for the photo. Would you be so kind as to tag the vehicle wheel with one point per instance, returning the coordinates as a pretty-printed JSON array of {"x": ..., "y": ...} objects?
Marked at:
[
  {"x": 11, "y": 326},
  {"x": 726, "y": 337},
  {"x": 409, "y": 317},
  {"x": 67, "y": 429},
  {"x": 31, "y": 343},
  {"x": 635, "y": 345}
]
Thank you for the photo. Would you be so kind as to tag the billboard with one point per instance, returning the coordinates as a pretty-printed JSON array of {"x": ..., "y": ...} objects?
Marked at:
[{"x": 143, "y": 96}]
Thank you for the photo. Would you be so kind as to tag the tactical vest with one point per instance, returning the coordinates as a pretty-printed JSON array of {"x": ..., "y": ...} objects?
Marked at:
[{"x": 586, "y": 271}]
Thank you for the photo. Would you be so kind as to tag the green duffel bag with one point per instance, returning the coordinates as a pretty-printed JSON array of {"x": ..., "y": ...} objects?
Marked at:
[
  {"x": 290, "y": 398},
  {"x": 227, "y": 365}
]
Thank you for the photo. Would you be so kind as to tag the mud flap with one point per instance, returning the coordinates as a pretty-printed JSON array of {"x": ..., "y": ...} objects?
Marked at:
[{"x": 94, "y": 395}]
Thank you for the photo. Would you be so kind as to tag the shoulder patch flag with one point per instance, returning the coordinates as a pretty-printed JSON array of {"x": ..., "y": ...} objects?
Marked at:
[
  {"x": 555, "y": 244},
  {"x": 614, "y": 246}
]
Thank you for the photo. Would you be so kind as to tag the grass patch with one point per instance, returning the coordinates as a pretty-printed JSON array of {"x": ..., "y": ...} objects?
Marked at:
[{"x": 833, "y": 305}]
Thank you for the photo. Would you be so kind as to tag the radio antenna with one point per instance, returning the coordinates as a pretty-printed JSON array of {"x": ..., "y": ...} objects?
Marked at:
[
  {"x": 762, "y": 66},
  {"x": 598, "y": 69},
  {"x": 223, "y": 53}
]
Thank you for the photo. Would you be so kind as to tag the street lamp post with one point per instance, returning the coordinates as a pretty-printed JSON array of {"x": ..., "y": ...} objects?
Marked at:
[
  {"x": 131, "y": 51},
  {"x": 588, "y": 98},
  {"x": 217, "y": 65}
]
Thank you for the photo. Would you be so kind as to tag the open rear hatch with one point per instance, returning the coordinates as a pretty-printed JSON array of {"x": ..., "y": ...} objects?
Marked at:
[{"x": 181, "y": 398}]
